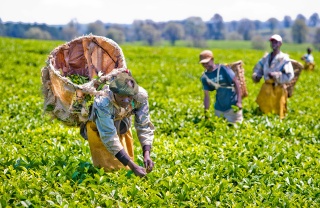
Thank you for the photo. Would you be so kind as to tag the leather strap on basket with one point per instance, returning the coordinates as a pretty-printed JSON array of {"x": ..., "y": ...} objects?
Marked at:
[{"x": 96, "y": 42}]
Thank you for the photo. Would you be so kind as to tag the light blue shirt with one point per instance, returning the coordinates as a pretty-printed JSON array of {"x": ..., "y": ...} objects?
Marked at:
[{"x": 308, "y": 58}]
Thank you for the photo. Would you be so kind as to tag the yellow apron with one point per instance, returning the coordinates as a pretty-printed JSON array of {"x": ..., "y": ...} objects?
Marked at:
[
  {"x": 309, "y": 66},
  {"x": 273, "y": 98},
  {"x": 101, "y": 157}
]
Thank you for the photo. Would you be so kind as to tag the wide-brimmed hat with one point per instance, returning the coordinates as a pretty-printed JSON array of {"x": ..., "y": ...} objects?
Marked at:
[
  {"x": 205, "y": 56},
  {"x": 124, "y": 84}
]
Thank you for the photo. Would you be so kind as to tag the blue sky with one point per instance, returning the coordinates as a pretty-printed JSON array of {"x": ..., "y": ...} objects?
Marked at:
[{"x": 126, "y": 11}]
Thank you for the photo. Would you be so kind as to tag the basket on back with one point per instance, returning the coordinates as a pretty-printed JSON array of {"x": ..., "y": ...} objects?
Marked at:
[
  {"x": 238, "y": 69},
  {"x": 70, "y": 77},
  {"x": 297, "y": 68}
]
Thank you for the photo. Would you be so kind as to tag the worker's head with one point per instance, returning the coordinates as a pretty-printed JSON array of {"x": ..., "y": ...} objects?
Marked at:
[
  {"x": 124, "y": 88},
  {"x": 275, "y": 41},
  {"x": 309, "y": 50},
  {"x": 205, "y": 56},
  {"x": 206, "y": 59}
]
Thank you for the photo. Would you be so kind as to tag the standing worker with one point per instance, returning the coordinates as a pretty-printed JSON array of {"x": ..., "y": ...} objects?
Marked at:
[
  {"x": 109, "y": 127},
  {"x": 222, "y": 79},
  {"x": 277, "y": 70}
]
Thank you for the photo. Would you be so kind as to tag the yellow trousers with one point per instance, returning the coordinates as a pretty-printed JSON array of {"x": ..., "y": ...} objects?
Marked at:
[
  {"x": 101, "y": 157},
  {"x": 273, "y": 99}
]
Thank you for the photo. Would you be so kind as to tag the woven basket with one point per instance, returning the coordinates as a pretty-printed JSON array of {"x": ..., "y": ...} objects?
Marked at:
[
  {"x": 297, "y": 67},
  {"x": 88, "y": 56},
  {"x": 238, "y": 69}
]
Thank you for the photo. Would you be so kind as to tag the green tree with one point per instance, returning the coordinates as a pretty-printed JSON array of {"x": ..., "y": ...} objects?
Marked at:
[
  {"x": 257, "y": 24},
  {"x": 195, "y": 29},
  {"x": 273, "y": 24},
  {"x": 216, "y": 27},
  {"x": 232, "y": 26},
  {"x": 70, "y": 31},
  {"x": 234, "y": 36},
  {"x": 314, "y": 20},
  {"x": 2, "y": 29},
  {"x": 150, "y": 34},
  {"x": 37, "y": 33},
  {"x": 136, "y": 30},
  {"x": 299, "y": 31},
  {"x": 258, "y": 43},
  {"x": 116, "y": 34},
  {"x": 16, "y": 30},
  {"x": 301, "y": 17},
  {"x": 316, "y": 41},
  {"x": 287, "y": 21},
  {"x": 245, "y": 28},
  {"x": 173, "y": 31},
  {"x": 96, "y": 28}
]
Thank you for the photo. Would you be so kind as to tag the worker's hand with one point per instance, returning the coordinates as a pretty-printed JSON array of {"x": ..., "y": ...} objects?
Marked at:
[
  {"x": 255, "y": 78},
  {"x": 239, "y": 104},
  {"x": 138, "y": 170},
  {"x": 272, "y": 75},
  {"x": 148, "y": 163}
]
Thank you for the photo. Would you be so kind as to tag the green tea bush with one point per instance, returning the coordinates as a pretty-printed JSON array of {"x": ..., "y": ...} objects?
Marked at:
[
  {"x": 258, "y": 43},
  {"x": 263, "y": 162}
]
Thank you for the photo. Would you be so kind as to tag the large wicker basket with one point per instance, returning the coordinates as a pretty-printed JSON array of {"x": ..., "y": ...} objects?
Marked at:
[
  {"x": 238, "y": 69},
  {"x": 88, "y": 56},
  {"x": 297, "y": 67}
]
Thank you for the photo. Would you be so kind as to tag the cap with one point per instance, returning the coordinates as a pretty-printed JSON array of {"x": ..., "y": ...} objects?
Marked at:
[
  {"x": 124, "y": 84},
  {"x": 276, "y": 37},
  {"x": 205, "y": 56}
]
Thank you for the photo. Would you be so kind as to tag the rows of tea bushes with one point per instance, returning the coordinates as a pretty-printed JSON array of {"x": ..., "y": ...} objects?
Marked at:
[{"x": 264, "y": 162}]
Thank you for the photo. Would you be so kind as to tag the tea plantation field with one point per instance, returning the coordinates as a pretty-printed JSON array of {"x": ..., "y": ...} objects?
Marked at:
[{"x": 264, "y": 162}]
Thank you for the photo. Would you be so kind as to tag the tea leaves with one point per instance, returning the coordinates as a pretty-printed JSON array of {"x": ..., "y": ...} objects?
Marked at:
[{"x": 263, "y": 162}]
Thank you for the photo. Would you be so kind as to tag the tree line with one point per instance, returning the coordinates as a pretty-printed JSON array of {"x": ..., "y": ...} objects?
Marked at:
[{"x": 192, "y": 30}]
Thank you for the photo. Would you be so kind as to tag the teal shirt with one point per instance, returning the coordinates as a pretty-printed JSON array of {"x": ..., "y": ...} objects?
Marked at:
[{"x": 225, "y": 97}]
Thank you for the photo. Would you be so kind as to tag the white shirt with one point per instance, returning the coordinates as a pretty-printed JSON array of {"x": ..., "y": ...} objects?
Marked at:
[{"x": 280, "y": 64}]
